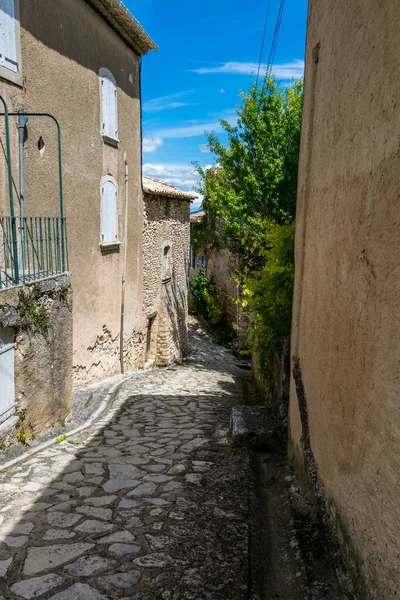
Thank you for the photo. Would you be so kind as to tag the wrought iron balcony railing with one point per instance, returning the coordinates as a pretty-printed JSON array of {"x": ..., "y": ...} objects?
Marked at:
[{"x": 32, "y": 248}]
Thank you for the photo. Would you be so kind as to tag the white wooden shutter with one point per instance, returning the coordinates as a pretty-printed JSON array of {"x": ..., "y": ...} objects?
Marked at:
[
  {"x": 7, "y": 391},
  {"x": 8, "y": 39},
  {"x": 109, "y": 107},
  {"x": 109, "y": 222}
]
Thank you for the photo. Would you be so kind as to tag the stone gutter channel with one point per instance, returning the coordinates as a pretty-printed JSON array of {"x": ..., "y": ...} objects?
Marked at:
[{"x": 289, "y": 556}]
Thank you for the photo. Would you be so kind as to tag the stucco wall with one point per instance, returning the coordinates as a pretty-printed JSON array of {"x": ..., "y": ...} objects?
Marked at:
[
  {"x": 165, "y": 300},
  {"x": 221, "y": 264},
  {"x": 43, "y": 350},
  {"x": 346, "y": 331},
  {"x": 64, "y": 45}
]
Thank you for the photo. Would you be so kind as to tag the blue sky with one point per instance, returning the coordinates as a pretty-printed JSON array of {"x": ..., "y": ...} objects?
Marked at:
[{"x": 207, "y": 54}]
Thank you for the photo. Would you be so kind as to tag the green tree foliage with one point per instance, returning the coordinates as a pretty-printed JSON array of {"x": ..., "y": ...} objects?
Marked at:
[
  {"x": 255, "y": 177},
  {"x": 250, "y": 203}
]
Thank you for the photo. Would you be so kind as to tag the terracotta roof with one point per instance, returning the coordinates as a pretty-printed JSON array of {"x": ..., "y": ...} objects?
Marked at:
[
  {"x": 197, "y": 217},
  {"x": 162, "y": 188},
  {"x": 125, "y": 24}
]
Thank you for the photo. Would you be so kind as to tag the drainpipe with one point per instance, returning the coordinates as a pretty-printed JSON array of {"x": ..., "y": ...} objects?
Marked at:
[
  {"x": 121, "y": 335},
  {"x": 22, "y": 121}
]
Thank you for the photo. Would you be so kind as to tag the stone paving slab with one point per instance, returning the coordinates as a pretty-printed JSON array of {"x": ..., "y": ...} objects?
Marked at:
[{"x": 150, "y": 502}]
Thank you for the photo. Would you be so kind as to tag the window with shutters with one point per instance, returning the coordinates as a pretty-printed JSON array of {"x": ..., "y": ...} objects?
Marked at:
[
  {"x": 109, "y": 113},
  {"x": 10, "y": 49},
  {"x": 109, "y": 214}
]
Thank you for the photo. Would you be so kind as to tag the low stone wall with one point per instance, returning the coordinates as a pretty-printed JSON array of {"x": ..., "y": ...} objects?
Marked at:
[{"x": 39, "y": 318}]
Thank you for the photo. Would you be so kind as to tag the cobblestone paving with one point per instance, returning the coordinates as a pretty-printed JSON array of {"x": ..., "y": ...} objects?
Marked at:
[{"x": 150, "y": 502}]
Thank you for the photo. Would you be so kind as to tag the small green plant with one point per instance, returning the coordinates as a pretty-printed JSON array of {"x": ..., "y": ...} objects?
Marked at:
[
  {"x": 40, "y": 316},
  {"x": 21, "y": 417},
  {"x": 61, "y": 439},
  {"x": 3, "y": 446},
  {"x": 32, "y": 308},
  {"x": 23, "y": 437}
]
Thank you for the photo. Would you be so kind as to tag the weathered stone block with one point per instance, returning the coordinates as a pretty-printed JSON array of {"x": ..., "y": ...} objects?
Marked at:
[{"x": 249, "y": 426}]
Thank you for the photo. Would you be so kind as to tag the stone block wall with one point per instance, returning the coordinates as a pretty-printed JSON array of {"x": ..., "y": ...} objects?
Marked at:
[
  {"x": 165, "y": 298},
  {"x": 39, "y": 318}
]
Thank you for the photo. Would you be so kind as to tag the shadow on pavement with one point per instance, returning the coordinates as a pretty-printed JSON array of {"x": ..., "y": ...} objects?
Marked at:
[{"x": 150, "y": 502}]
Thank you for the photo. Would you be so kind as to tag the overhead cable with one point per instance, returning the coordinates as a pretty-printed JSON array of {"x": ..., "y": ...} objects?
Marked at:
[
  {"x": 263, "y": 40},
  {"x": 275, "y": 37}
]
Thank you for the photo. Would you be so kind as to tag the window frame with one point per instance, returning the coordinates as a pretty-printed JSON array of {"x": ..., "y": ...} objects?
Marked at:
[
  {"x": 166, "y": 275},
  {"x": 192, "y": 258},
  {"x": 109, "y": 244},
  {"x": 112, "y": 140},
  {"x": 6, "y": 73}
]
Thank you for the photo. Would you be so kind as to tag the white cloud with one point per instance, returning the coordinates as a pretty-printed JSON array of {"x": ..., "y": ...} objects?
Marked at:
[
  {"x": 183, "y": 177},
  {"x": 151, "y": 144},
  {"x": 222, "y": 91},
  {"x": 194, "y": 130},
  {"x": 292, "y": 70},
  {"x": 166, "y": 102},
  {"x": 196, "y": 204},
  {"x": 204, "y": 148}
]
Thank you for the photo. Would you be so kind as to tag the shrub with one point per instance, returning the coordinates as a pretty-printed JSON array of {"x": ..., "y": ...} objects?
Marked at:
[
  {"x": 268, "y": 292},
  {"x": 197, "y": 284},
  {"x": 205, "y": 298}
]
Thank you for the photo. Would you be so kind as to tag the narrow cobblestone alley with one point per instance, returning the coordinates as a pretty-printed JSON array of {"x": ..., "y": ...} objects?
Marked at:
[{"x": 149, "y": 502}]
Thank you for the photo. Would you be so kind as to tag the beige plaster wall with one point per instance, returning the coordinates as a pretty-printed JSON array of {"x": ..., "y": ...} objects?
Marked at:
[
  {"x": 165, "y": 300},
  {"x": 64, "y": 44},
  {"x": 346, "y": 330},
  {"x": 221, "y": 263}
]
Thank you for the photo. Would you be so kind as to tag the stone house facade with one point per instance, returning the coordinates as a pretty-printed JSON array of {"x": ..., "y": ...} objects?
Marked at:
[
  {"x": 166, "y": 233},
  {"x": 80, "y": 61},
  {"x": 345, "y": 390},
  {"x": 70, "y": 180}
]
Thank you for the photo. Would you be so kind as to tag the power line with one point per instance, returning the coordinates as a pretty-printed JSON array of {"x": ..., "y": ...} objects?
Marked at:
[
  {"x": 263, "y": 40},
  {"x": 275, "y": 37}
]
